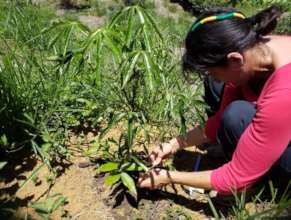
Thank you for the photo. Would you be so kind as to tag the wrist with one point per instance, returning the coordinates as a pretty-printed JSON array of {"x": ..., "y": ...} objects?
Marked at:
[{"x": 167, "y": 177}]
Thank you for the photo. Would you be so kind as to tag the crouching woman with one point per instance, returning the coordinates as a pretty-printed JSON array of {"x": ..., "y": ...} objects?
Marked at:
[{"x": 247, "y": 76}]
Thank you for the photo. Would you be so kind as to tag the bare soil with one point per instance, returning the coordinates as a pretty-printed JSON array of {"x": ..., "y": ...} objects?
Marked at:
[
  {"x": 89, "y": 199},
  {"x": 87, "y": 196}
]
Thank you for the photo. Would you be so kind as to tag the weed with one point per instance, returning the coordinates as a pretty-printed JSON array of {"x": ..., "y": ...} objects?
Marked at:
[{"x": 45, "y": 208}]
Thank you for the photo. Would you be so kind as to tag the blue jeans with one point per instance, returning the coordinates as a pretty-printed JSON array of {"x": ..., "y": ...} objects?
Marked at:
[{"x": 235, "y": 119}]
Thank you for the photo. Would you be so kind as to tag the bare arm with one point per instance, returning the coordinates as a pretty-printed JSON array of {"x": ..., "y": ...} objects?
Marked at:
[
  {"x": 195, "y": 136},
  {"x": 194, "y": 179},
  {"x": 160, "y": 177}
]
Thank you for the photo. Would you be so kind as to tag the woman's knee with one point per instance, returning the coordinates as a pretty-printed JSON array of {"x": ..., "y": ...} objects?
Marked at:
[
  {"x": 237, "y": 116},
  {"x": 235, "y": 119}
]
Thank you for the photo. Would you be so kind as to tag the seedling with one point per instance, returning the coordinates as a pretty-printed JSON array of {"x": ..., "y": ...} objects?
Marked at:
[
  {"x": 46, "y": 207},
  {"x": 124, "y": 162}
]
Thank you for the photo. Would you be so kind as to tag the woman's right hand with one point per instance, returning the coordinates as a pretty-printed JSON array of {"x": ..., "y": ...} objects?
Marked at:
[{"x": 163, "y": 151}]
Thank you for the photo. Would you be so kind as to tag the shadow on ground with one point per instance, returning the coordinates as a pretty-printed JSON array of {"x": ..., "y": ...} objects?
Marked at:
[
  {"x": 13, "y": 174},
  {"x": 185, "y": 161}
]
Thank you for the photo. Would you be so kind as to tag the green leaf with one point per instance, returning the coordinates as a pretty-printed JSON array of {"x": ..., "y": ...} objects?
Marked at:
[
  {"x": 153, "y": 23},
  {"x": 67, "y": 40},
  {"x": 110, "y": 166},
  {"x": 92, "y": 38},
  {"x": 46, "y": 147},
  {"x": 98, "y": 75},
  {"x": 129, "y": 27},
  {"x": 2, "y": 164},
  {"x": 46, "y": 136},
  {"x": 112, "y": 179},
  {"x": 41, "y": 207},
  {"x": 149, "y": 71},
  {"x": 57, "y": 203},
  {"x": 84, "y": 29},
  {"x": 130, "y": 70},
  {"x": 117, "y": 16},
  {"x": 4, "y": 140},
  {"x": 128, "y": 182},
  {"x": 49, "y": 205},
  {"x": 44, "y": 156},
  {"x": 140, "y": 164},
  {"x": 54, "y": 39},
  {"x": 212, "y": 207},
  {"x": 129, "y": 166},
  {"x": 55, "y": 24},
  {"x": 29, "y": 178},
  {"x": 140, "y": 14},
  {"x": 30, "y": 119},
  {"x": 110, "y": 44},
  {"x": 54, "y": 58},
  {"x": 146, "y": 39}
]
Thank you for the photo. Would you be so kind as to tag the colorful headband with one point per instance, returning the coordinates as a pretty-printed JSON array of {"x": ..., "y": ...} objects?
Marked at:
[{"x": 217, "y": 18}]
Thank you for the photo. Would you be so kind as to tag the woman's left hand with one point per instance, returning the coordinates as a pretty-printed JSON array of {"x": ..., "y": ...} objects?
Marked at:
[{"x": 154, "y": 179}]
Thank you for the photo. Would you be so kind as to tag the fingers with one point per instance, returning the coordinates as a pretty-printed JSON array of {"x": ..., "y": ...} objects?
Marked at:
[
  {"x": 146, "y": 181},
  {"x": 157, "y": 155},
  {"x": 157, "y": 162},
  {"x": 155, "y": 158},
  {"x": 151, "y": 180}
]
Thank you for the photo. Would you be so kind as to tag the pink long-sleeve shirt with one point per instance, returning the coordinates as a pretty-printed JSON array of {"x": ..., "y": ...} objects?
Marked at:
[{"x": 264, "y": 140}]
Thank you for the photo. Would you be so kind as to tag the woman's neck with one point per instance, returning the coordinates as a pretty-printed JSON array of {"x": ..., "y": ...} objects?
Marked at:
[
  {"x": 259, "y": 65},
  {"x": 273, "y": 53},
  {"x": 281, "y": 50},
  {"x": 257, "y": 82}
]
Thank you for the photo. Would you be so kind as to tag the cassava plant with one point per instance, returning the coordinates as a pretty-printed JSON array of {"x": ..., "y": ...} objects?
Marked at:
[
  {"x": 131, "y": 68},
  {"x": 122, "y": 161}
]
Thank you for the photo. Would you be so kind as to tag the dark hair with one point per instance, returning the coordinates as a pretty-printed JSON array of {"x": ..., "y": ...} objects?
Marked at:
[{"x": 209, "y": 44}]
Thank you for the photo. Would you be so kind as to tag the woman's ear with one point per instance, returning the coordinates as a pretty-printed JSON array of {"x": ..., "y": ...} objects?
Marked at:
[{"x": 235, "y": 60}]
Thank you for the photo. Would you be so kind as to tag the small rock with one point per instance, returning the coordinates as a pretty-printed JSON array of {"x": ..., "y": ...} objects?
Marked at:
[
  {"x": 60, "y": 12},
  {"x": 38, "y": 2},
  {"x": 93, "y": 22}
]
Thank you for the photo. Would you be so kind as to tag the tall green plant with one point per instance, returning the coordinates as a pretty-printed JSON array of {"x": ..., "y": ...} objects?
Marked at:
[
  {"x": 32, "y": 86},
  {"x": 123, "y": 163},
  {"x": 133, "y": 69}
]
